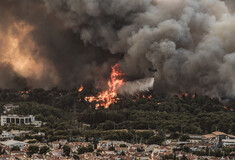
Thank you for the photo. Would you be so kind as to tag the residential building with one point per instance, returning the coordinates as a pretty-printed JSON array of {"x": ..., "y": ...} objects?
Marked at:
[
  {"x": 228, "y": 142},
  {"x": 7, "y": 135},
  {"x": 55, "y": 145},
  {"x": 219, "y": 138},
  {"x": 17, "y": 119},
  {"x": 19, "y": 133},
  {"x": 37, "y": 123},
  {"x": 12, "y": 143},
  {"x": 9, "y": 107}
]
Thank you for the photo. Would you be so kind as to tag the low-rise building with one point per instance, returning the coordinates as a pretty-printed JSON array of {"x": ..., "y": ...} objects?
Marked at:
[
  {"x": 9, "y": 107},
  {"x": 12, "y": 143},
  {"x": 19, "y": 133},
  {"x": 7, "y": 135},
  {"x": 228, "y": 142},
  {"x": 37, "y": 123},
  {"x": 17, "y": 119},
  {"x": 55, "y": 145},
  {"x": 219, "y": 138}
]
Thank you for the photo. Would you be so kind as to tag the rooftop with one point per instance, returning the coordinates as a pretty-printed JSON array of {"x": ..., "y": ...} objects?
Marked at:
[
  {"x": 12, "y": 143},
  {"x": 219, "y": 133}
]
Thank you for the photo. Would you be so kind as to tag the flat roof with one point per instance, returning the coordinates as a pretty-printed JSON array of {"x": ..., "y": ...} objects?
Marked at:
[
  {"x": 13, "y": 143},
  {"x": 14, "y": 115}
]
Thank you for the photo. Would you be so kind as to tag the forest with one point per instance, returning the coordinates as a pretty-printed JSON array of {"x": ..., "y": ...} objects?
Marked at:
[{"x": 66, "y": 113}]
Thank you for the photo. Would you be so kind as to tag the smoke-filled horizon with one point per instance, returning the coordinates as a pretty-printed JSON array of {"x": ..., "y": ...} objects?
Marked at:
[{"x": 68, "y": 42}]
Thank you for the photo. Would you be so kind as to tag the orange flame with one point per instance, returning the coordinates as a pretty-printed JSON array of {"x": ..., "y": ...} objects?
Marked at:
[
  {"x": 183, "y": 94},
  {"x": 25, "y": 92},
  {"x": 108, "y": 97},
  {"x": 145, "y": 97},
  {"x": 81, "y": 88}
]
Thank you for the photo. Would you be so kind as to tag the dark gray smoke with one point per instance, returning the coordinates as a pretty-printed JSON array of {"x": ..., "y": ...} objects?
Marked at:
[
  {"x": 189, "y": 42},
  {"x": 58, "y": 57}
]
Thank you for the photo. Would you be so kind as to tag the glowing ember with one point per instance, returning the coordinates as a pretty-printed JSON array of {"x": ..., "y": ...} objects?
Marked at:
[
  {"x": 146, "y": 97},
  {"x": 106, "y": 98},
  {"x": 25, "y": 92},
  {"x": 81, "y": 88},
  {"x": 183, "y": 95},
  {"x": 193, "y": 96}
]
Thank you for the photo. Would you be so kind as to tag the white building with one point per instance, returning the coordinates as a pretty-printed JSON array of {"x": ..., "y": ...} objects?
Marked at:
[
  {"x": 12, "y": 143},
  {"x": 18, "y": 133},
  {"x": 219, "y": 137},
  {"x": 17, "y": 119},
  {"x": 7, "y": 135},
  {"x": 9, "y": 107},
  {"x": 228, "y": 142},
  {"x": 37, "y": 123}
]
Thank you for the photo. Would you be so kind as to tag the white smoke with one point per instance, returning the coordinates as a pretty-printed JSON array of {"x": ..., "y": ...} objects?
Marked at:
[{"x": 136, "y": 86}]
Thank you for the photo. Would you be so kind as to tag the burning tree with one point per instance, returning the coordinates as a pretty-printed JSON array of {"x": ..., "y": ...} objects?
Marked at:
[{"x": 109, "y": 96}]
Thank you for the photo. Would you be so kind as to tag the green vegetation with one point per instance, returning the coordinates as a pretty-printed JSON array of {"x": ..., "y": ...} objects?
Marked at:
[
  {"x": 33, "y": 149},
  {"x": 131, "y": 119},
  {"x": 44, "y": 150},
  {"x": 15, "y": 148},
  {"x": 82, "y": 150},
  {"x": 66, "y": 150}
]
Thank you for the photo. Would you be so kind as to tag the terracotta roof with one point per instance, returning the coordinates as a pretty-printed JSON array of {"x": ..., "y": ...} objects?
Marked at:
[
  {"x": 231, "y": 136},
  {"x": 209, "y": 136},
  {"x": 219, "y": 133}
]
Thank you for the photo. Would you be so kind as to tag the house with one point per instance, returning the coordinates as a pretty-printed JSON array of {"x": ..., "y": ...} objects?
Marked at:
[
  {"x": 55, "y": 145},
  {"x": 75, "y": 145},
  {"x": 57, "y": 153},
  {"x": 12, "y": 143},
  {"x": 19, "y": 133},
  {"x": 5, "y": 157},
  {"x": 7, "y": 135},
  {"x": 9, "y": 107},
  {"x": 38, "y": 157},
  {"x": 161, "y": 151},
  {"x": 37, "y": 123},
  {"x": 63, "y": 142},
  {"x": 229, "y": 141},
  {"x": 13, "y": 153},
  {"x": 219, "y": 138},
  {"x": 16, "y": 119},
  {"x": 195, "y": 138}
]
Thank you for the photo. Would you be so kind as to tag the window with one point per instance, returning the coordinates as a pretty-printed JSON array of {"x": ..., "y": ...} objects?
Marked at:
[
  {"x": 12, "y": 120},
  {"x": 21, "y": 121},
  {"x": 17, "y": 121},
  {"x": 8, "y": 120},
  {"x": 26, "y": 120}
]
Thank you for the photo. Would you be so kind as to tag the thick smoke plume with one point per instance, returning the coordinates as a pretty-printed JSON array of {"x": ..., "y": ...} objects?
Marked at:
[
  {"x": 37, "y": 50},
  {"x": 189, "y": 42}
]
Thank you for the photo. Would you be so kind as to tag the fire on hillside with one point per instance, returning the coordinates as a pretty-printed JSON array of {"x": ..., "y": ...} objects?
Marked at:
[{"x": 109, "y": 96}]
